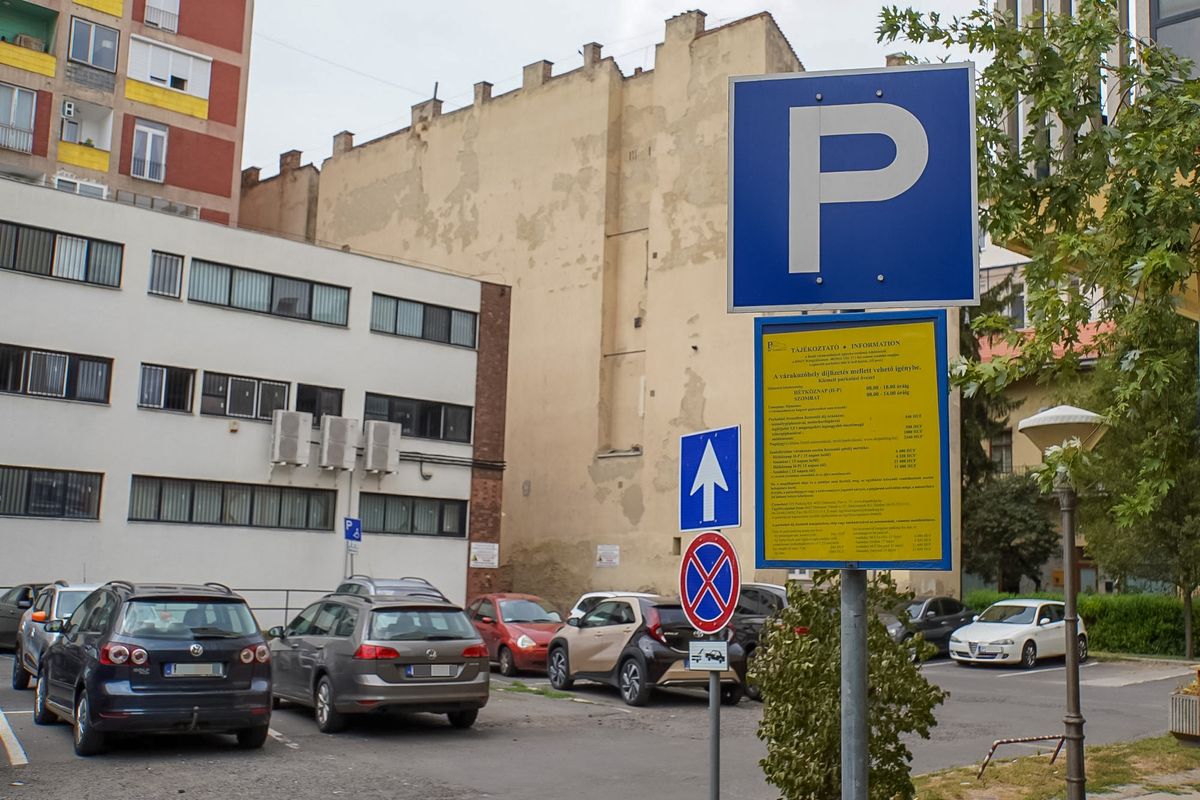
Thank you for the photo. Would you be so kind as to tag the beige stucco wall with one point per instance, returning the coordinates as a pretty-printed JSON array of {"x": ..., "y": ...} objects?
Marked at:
[{"x": 284, "y": 205}]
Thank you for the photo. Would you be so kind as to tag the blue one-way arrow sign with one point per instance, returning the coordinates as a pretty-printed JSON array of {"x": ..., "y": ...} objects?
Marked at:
[{"x": 709, "y": 479}]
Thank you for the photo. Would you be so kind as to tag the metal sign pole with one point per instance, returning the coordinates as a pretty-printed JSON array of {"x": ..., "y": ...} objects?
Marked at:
[
  {"x": 854, "y": 684},
  {"x": 714, "y": 734}
]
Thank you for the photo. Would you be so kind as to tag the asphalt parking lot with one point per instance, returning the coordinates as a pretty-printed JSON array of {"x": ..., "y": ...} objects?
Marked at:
[{"x": 524, "y": 745}]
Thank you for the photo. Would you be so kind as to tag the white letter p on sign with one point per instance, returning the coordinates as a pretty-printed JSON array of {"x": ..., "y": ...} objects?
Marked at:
[{"x": 809, "y": 188}]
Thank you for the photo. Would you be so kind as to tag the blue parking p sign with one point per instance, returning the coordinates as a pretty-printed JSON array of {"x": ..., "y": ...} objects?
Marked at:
[
  {"x": 353, "y": 529},
  {"x": 853, "y": 190}
]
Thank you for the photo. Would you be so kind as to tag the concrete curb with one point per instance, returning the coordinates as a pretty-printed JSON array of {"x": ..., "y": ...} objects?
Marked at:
[{"x": 1163, "y": 660}]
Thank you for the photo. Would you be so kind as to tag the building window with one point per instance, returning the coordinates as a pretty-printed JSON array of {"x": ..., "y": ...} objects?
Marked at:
[
  {"x": 166, "y": 273},
  {"x": 94, "y": 44},
  {"x": 85, "y": 188},
  {"x": 1016, "y": 306},
  {"x": 168, "y": 388},
  {"x": 151, "y": 62},
  {"x": 422, "y": 418},
  {"x": 318, "y": 401},
  {"x": 17, "y": 108},
  {"x": 28, "y": 492},
  {"x": 60, "y": 255},
  {"x": 425, "y": 516},
  {"x": 280, "y": 296},
  {"x": 149, "y": 151},
  {"x": 46, "y": 373},
  {"x": 422, "y": 321},
  {"x": 237, "y": 504},
  {"x": 163, "y": 14},
  {"x": 1002, "y": 455},
  {"x": 1176, "y": 24},
  {"x": 235, "y": 396}
]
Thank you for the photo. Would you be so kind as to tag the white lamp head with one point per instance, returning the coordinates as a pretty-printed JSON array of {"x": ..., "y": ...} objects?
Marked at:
[{"x": 1056, "y": 425}]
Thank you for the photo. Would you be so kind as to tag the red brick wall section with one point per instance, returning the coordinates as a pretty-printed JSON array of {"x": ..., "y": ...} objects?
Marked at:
[
  {"x": 212, "y": 215},
  {"x": 491, "y": 399},
  {"x": 125, "y": 159},
  {"x": 139, "y": 10},
  {"x": 224, "y": 86},
  {"x": 219, "y": 22},
  {"x": 199, "y": 162},
  {"x": 41, "y": 122}
]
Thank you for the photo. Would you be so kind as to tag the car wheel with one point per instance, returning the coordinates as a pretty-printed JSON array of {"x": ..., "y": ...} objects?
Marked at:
[
  {"x": 631, "y": 680},
  {"x": 731, "y": 694},
  {"x": 42, "y": 715},
  {"x": 1083, "y": 649},
  {"x": 1029, "y": 655},
  {"x": 560, "y": 669},
  {"x": 752, "y": 689},
  {"x": 252, "y": 738},
  {"x": 463, "y": 719},
  {"x": 88, "y": 740},
  {"x": 20, "y": 677},
  {"x": 329, "y": 719},
  {"x": 508, "y": 666}
]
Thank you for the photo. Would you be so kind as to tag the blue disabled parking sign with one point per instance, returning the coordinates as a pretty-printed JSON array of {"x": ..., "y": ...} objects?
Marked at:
[{"x": 710, "y": 479}]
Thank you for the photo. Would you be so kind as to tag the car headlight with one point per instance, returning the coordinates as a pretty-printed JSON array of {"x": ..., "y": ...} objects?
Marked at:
[
  {"x": 1003, "y": 641},
  {"x": 895, "y": 628},
  {"x": 955, "y": 639},
  {"x": 525, "y": 643}
]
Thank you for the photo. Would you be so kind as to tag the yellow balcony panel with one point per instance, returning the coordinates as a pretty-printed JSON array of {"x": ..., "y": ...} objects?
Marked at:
[
  {"x": 26, "y": 59},
  {"x": 114, "y": 7},
  {"x": 159, "y": 96},
  {"x": 83, "y": 156}
]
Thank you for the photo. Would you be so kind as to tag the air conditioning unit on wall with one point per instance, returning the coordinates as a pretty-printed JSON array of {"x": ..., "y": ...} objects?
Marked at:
[
  {"x": 339, "y": 442},
  {"x": 290, "y": 431},
  {"x": 383, "y": 443}
]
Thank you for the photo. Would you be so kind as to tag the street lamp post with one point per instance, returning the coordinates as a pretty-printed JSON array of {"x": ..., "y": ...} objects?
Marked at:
[{"x": 1058, "y": 426}]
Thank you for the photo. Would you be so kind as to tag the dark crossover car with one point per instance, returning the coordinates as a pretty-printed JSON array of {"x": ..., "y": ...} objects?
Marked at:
[
  {"x": 757, "y": 602},
  {"x": 933, "y": 617},
  {"x": 636, "y": 643},
  {"x": 157, "y": 658},
  {"x": 14, "y": 602},
  {"x": 352, "y": 654}
]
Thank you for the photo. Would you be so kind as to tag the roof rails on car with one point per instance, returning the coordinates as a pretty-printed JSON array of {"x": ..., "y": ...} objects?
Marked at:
[
  {"x": 415, "y": 578},
  {"x": 220, "y": 586},
  {"x": 126, "y": 584},
  {"x": 365, "y": 597},
  {"x": 359, "y": 575},
  {"x": 61, "y": 582}
]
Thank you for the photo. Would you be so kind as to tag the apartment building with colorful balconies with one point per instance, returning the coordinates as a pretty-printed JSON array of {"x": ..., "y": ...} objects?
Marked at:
[{"x": 138, "y": 101}]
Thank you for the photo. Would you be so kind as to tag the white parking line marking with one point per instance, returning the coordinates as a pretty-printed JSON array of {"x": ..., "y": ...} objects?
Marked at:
[
  {"x": 283, "y": 740},
  {"x": 1040, "y": 670},
  {"x": 16, "y": 753},
  {"x": 10, "y": 713}
]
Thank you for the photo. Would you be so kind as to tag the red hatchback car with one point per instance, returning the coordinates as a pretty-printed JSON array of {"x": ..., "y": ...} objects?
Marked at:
[{"x": 516, "y": 628}]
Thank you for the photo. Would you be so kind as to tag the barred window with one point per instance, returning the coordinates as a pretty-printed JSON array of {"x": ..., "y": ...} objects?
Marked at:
[
  {"x": 166, "y": 273},
  {"x": 30, "y": 492},
  {"x": 168, "y": 388},
  {"x": 60, "y": 255},
  {"x": 176, "y": 500},
  {"x": 237, "y": 396},
  {"x": 47, "y": 373},
  {"x": 422, "y": 321},
  {"x": 426, "y": 516}
]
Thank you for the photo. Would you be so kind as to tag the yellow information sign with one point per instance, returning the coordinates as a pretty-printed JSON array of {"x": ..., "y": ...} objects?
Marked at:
[{"x": 853, "y": 441}]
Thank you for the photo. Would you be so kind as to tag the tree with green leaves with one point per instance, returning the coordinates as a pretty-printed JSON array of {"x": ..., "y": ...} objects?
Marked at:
[
  {"x": 1101, "y": 188},
  {"x": 798, "y": 667},
  {"x": 1007, "y": 533}
]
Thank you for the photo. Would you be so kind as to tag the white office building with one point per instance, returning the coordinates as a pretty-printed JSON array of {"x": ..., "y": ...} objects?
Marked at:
[{"x": 184, "y": 401}]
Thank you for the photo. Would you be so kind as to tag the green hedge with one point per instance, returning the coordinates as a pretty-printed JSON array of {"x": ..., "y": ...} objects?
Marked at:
[{"x": 1147, "y": 624}]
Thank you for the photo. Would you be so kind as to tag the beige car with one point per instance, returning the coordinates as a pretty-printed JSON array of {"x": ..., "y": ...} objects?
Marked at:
[{"x": 636, "y": 643}]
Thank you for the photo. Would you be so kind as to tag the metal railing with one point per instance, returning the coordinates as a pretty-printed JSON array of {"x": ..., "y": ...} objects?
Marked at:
[
  {"x": 13, "y": 138},
  {"x": 160, "y": 18},
  {"x": 277, "y": 606},
  {"x": 150, "y": 170}
]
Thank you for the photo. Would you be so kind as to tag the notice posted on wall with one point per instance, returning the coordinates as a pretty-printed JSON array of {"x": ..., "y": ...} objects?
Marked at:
[
  {"x": 852, "y": 444},
  {"x": 608, "y": 555},
  {"x": 485, "y": 555}
]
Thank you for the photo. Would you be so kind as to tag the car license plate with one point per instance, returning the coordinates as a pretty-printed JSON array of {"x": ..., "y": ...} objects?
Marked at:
[
  {"x": 205, "y": 670},
  {"x": 429, "y": 670}
]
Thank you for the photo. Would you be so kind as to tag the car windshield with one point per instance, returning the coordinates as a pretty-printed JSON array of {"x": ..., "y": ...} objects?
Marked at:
[
  {"x": 1012, "y": 615},
  {"x": 68, "y": 602},
  {"x": 411, "y": 624},
  {"x": 163, "y": 618},
  {"x": 527, "y": 611}
]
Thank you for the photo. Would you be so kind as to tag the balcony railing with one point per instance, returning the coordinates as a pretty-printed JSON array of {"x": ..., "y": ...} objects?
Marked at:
[
  {"x": 149, "y": 170},
  {"x": 158, "y": 18},
  {"x": 19, "y": 139}
]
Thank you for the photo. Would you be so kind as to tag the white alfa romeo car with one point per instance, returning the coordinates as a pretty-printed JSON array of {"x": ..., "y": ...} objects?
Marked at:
[{"x": 1015, "y": 632}]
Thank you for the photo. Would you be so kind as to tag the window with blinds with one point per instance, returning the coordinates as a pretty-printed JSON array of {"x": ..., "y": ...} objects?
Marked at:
[
  {"x": 423, "y": 516},
  {"x": 48, "y": 373},
  {"x": 60, "y": 255},
  {"x": 166, "y": 388},
  {"x": 29, "y": 492},
  {"x": 166, "y": 274},
  {"x": 265, "y": 293},
  {"x": 174, "y": 500},
  {"x": 433, "y": 323},
  {"x": 426, "y": 419}
]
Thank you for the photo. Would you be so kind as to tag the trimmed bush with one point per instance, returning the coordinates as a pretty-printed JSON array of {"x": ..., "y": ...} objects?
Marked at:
[{"x": 1146, "y": 624}]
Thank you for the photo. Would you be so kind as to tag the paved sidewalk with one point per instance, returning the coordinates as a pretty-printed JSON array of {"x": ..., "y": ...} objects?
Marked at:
[{"x": 1183, "y": 786}]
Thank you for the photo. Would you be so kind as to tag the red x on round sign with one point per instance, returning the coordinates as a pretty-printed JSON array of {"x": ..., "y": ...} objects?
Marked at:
[{"x": 709, "y": 582}]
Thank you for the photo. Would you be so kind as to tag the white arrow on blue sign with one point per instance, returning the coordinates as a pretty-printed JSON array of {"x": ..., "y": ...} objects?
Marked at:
[
  {"x": 709, "y": 479},
  {"x": 853, "y": 189}
]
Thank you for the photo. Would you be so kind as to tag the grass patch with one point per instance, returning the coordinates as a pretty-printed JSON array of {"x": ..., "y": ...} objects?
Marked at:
[
  {"x": 523, "y": 688},
  {"x": 1034, "y": 778}
]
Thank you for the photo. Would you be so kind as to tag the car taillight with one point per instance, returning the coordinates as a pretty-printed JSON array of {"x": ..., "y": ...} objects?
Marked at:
[
  {"x": 374, "y": 652},
  {"x": 475, "y": 651},
  {"x": 247, "y": 655},
  {"x": 114, "y": 654},
  {"x": 654, "y": 624},
  {"x": 262, "y": 654},
  {"x": 138, "y": 656}
]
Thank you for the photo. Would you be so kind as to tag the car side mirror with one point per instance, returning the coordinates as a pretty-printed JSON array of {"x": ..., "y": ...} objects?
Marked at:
[
  {"x": 575, "y": 622},
  {"x": 37, "y": 616},
  {"x": 25, "y": 603},
  {"x": 975, "y": 618},
  {"x": 54, "y": 626},
  {"x": 487, "y": 620},
  {"x": 1044, "y": 621},
  {"x": 930, "y": 614},
  {"x": 277, "y": 632},
  {"x": 554, "y": 616}
]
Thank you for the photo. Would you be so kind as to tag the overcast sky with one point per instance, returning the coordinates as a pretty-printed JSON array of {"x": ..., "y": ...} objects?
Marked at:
[{"x": 321, "y": 66}]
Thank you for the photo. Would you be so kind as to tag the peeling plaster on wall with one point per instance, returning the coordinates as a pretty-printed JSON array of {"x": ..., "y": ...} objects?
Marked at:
[
  {"x": 558, "y": 568},
  {"x": 607, "y": 470},
  {"x": 691, "y": 407},
  {"x": 632, "y": 504},
  {"x": 462, "y": 197}
]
